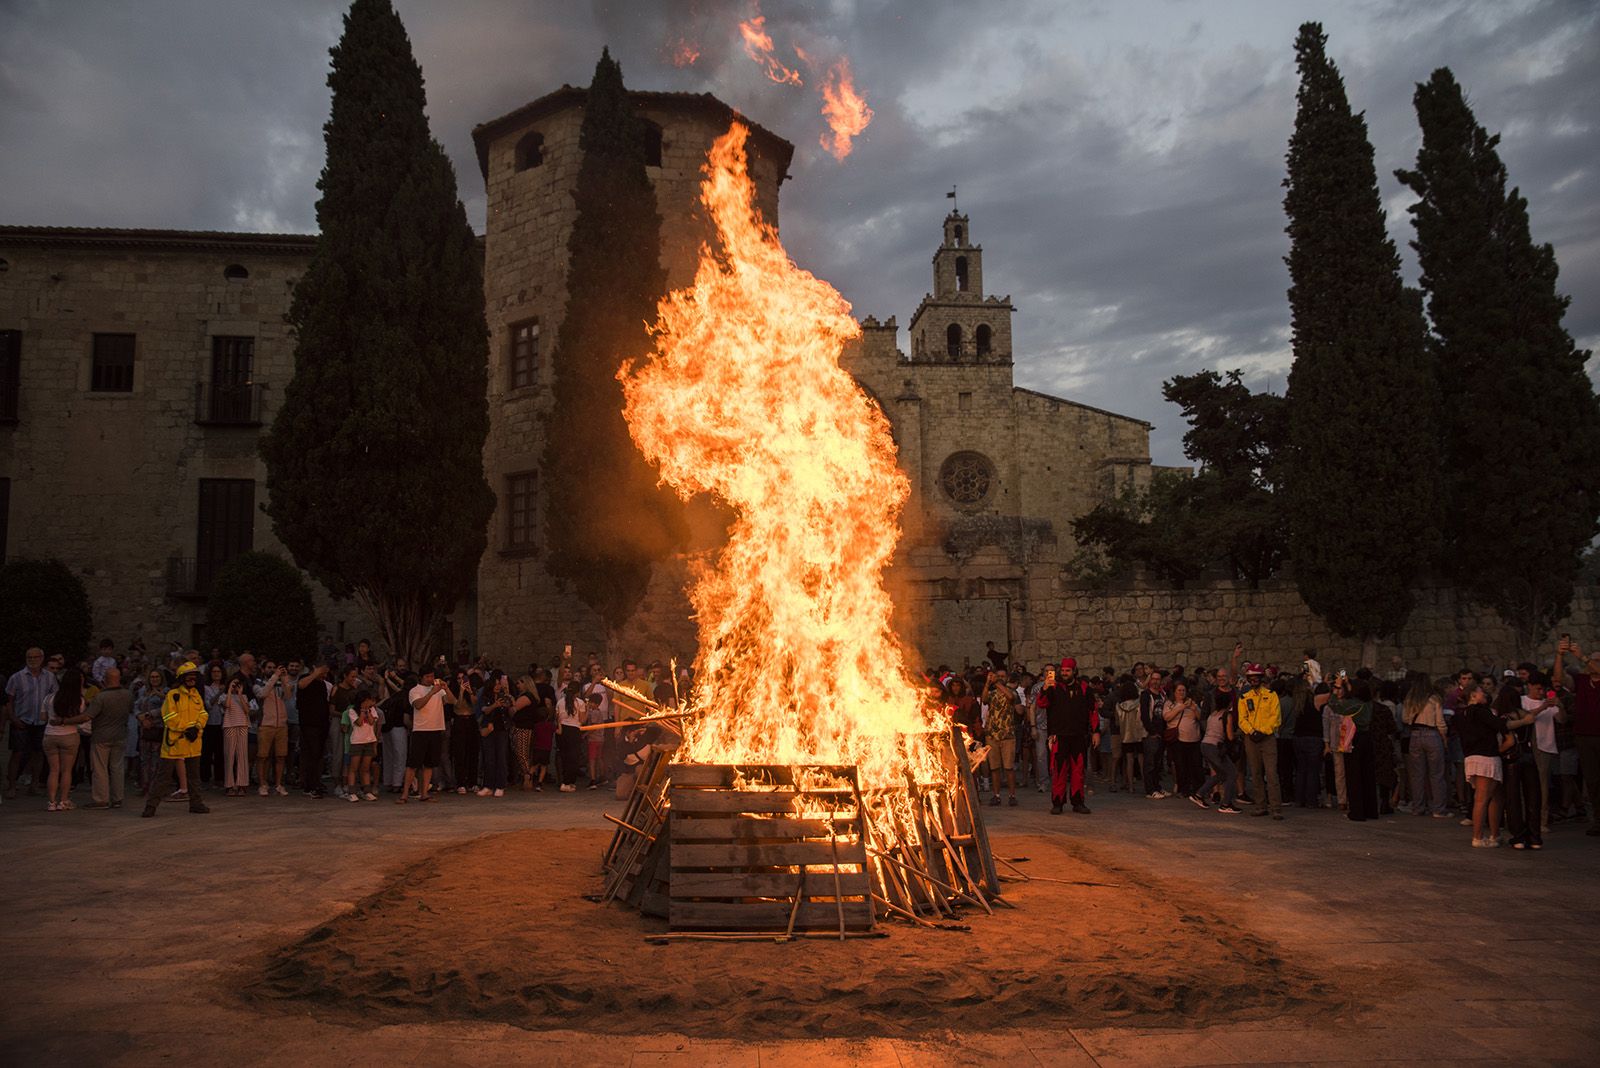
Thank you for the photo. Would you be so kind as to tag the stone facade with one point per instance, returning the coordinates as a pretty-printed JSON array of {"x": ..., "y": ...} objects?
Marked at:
[
  {"x": 110, "y": 480},
  {"x": 530, "y": 161},
  {"x": 1199, "y": 627},
  {"x": 997, "y": 472}
]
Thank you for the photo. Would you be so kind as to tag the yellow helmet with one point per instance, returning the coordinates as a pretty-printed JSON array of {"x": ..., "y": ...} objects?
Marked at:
[{"x": 188, "y": 668}]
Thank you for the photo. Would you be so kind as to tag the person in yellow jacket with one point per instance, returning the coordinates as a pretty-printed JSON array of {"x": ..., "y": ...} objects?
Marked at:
[
  {"x": 1259, "y": 718},
  {"x": 183, "y": 717}
]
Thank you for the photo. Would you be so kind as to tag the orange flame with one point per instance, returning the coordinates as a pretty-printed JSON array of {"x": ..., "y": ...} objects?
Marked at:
[
  {"x": 845, "y": 109},
  {"x": 744, "y": 398},
  {"x": 758, "y": 46},
  {"x": 684, "y": 54}
]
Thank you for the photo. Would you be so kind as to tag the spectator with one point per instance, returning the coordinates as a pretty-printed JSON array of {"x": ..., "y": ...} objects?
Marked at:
[
  {"x": 212, "y": 762},
  {"x": 361, "y": 723},
  {"x": 30, "y": 696},
  {"x": 526, "y": 712},
  {"x": 234, "y": 708},
  {"x": 393, "y": 729},
  {"x": 1127, "y": 734},
  {"x": 274, "y": 696},
  {"x": 62, "y": 738},
  {"x": 147, "y": 711},
  {"x": 1483, "y": 738},
  {"x": 1258, "y": 717},
  {"x": 1151, "y": 702},
  {"x": 106, "y": 660},
  {"x": 313, "y": 702},
  {"x": 1182, "y": 714},
  {"x": 495, "y": 729},
  {"x": 1424, "y": 715},
  {"x": 1000, "y": 731},
  {"x": 571, "y": 710},
  {"x": 1544, "y": 704},
  {"x": 1073, "y": 725},
  {"x": 425, "y": 747},
  {"x": 109, "y": 712},
  {"x": 1219, "y": 730},
  {"x": 464, "y": 736},
  {"x": 183, "y": 718},
  {"x": 1585, "y": 722},
  {"x": 1352, "y": 703}
]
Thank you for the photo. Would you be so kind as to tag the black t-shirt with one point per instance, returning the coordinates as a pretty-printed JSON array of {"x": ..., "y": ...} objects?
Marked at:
[
  {"x": 996, "y": 657},
  {"x": 1307, "y": 716},
  {"x": 395, "y": 707},
  {"x": 525, "y": 713},
  {"x": 312, "y": 704},
  {"x": 1480, "y": 731},
  {"x": 495, "y": 716}
]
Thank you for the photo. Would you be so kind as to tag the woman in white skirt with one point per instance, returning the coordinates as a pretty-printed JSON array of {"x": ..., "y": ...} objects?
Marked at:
[{"x": 1483, "y": 736}]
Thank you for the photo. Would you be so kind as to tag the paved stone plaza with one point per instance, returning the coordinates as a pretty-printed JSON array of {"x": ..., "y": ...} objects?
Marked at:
[{"x": 127, "y": 939}]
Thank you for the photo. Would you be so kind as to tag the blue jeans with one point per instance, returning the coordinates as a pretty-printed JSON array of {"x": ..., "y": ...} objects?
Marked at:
[
  {"x": 1430, "y": 785},
  {"x": 1222, "y": 773},
  {"x": 1308, "y": 771},
  {"x": 1152, "y": 762}
]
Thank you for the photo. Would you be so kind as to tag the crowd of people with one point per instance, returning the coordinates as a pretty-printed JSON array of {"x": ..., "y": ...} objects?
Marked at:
[
  {"x": 341, "y": 724},
  {"x": 1503, "y": 751}
]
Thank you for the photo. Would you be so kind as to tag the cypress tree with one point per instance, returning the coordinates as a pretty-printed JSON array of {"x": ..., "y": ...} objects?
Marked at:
[
  {"x": 375, "y": 461},
  {"x": 1522, "y": 425},
  {"x": 607, "y": 521},
  {"x": 1361, "y": 478}
]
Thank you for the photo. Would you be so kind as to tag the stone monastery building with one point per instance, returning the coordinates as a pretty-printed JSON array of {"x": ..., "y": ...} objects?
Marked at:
[{"x": 139, "y": 367}]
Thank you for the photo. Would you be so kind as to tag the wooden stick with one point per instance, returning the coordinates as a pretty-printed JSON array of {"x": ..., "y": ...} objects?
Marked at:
[
  {"x": 794, "y": 910},
  {"x": 937, "y": 882},
  {"x": 619, "y": 723},
  {"x": 629, "y": 826},
  {"x": 753, "y": 936},
  {"x": 838, "y": 891},
  {"x": 908, "y": 914}
]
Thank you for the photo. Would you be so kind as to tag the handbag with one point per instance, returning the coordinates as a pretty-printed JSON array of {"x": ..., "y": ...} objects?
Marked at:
[{"x": 1347, "y": 733}]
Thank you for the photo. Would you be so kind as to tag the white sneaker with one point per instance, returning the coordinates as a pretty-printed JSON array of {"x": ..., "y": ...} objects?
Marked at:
[
  {"x": 462, "y": 790},
  {"x": 351, "y": 796},
  {"x": 369, "y": 796},
  {"x": 263, "y": 791},
  {"x": 483, "y": 791},
  {"x": 499, "y": 793},
  {"x": 1467, "y": 822},
  {"x": 280, "y": 791}
]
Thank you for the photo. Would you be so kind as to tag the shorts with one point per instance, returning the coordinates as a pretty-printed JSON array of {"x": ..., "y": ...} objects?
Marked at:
[
  {"x": 597, "y": 745},
  {"x": 1003, "y": 754},
  {"x": 424, "y": 749},
  {"x": 64, "y": 744},
  {"x": 272, "y": 741},
  {"x": 1485, "y": 768},
  {"x": 27, "y": 739},
  {"x": 363, "y": 749}
]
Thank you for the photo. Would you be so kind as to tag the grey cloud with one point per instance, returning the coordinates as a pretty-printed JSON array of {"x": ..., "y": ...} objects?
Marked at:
[{"x": 1123, "y": 177}]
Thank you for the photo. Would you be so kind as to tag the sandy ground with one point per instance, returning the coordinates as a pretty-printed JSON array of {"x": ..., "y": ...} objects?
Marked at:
[
  {"x": 184, "y": 940},
  {"x": 457, "y": 936}
]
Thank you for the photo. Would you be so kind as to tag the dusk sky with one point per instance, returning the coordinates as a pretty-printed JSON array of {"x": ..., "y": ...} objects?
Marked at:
[{"x": 1121, "y": 161}]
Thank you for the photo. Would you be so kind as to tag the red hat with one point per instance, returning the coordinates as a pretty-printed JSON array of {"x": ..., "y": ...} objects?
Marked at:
[
  {"x": 1068, "y": 664},
  {"x": 1252, "y": 669}
]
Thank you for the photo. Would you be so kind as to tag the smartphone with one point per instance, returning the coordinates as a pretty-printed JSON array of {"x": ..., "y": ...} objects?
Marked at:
[{"x": 566, "y": 651}]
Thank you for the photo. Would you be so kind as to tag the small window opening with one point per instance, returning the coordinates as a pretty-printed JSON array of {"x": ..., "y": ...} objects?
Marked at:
[
  {"x": 235, "y": 272},
  {"x": 952, "y": 340},
  {"x": 984, "y": 339},
  {"x": 961, "y": 234},
  {"x": 530, "y": 151},
  {"x": 961, "y": 273}
]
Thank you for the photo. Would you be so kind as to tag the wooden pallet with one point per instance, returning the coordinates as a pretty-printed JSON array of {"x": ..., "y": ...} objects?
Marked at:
[
  {"x": 635, "y": 859},
  {"x": 774, "y": 853}
]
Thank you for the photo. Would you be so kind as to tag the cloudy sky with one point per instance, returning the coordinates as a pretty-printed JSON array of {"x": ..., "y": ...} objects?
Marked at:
[{"x": 1121, "y": 160}]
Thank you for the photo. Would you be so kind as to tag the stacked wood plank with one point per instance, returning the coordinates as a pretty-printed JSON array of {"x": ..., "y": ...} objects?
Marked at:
[
  {"x": 765, "y": 847},
  {"x": 801, "y": 849}
]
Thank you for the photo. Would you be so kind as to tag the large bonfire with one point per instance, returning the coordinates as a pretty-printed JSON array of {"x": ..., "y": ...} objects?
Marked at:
[{"x": 744, "y": 399}]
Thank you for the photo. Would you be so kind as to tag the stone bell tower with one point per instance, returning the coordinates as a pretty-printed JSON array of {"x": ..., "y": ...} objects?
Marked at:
[{"x": 956, "y": 323}]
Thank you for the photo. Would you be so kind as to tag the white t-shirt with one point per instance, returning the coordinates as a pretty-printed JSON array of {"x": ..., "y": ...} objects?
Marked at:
[
  {"x": 1544, "y": 725},
  {"x": 430, "y": 717},
  {"x": 573, "y": 718}
]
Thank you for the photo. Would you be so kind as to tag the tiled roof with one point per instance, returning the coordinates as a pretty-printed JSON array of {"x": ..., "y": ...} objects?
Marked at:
[{"x": 117, "y": 237}]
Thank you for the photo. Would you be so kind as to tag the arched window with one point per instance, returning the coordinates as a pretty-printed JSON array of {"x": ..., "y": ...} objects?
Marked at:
[
  {"x": 952, "y": 340},
  {"x": 960, "y": 234},
  {"x": 651, "y": 136},
  {"x": 530, "y": 151},
  {"x": 961, "y": 273},
  {"x": 984, "y": 338},
  {"x": 235, "y": 272}
]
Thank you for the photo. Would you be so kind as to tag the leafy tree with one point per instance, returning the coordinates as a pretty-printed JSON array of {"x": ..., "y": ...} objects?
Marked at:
[
  {"x": 259, "y": 601},
  {"x": 607, "y": 521},
  {"x": 1522, "y": 425},
  {"x": 375, "y": 462},
  {"x": 1158, "y": 527},
  {"x": 1361, "y": 477},
  {"x": 45, "y": 605},
  {"x": 1238, "y": 437}
]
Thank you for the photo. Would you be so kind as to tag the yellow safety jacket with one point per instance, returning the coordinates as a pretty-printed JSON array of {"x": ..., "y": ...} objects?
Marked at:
[
  {"x": 1259, "y": 712},
  {"x": 183, "y": 708}
]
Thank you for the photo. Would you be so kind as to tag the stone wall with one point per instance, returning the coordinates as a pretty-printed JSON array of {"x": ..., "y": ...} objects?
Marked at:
[
  {"x": 1200, "y": 626},
  {"x": 108, "y": 482}
]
